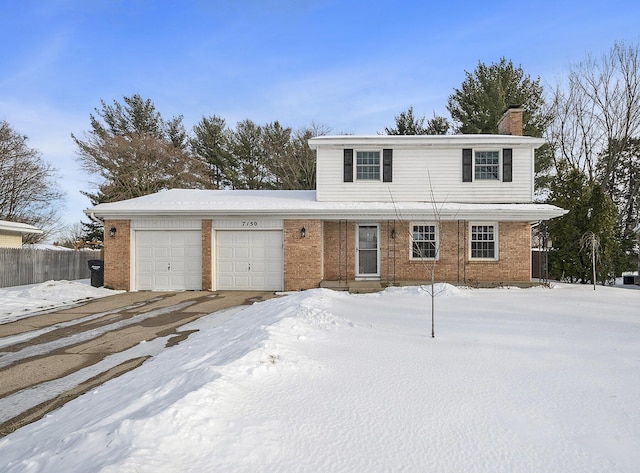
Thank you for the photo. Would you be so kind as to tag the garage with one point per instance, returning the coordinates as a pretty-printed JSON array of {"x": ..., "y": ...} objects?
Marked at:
[
  {"x": 249, "y": 260},
  {"x": 168, "y": 260}
]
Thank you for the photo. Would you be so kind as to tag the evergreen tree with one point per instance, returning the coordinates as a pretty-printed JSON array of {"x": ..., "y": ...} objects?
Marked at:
[
  {"x": 590, "y": 210},
  {"x": 210, "y": 144},
  {"x": 135, "y": 152},
  {"x": 251, "y": 158},
  {"x": 487, "y": 92},
  {"x": 407, "y": 124}
]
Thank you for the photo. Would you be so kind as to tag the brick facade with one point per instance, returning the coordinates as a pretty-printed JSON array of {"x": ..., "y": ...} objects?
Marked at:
[
  {"x": 453, "y": 264},
  {"x": 117, "y": 255},
  {"x": 302, "y": 255},
  {"x": 328, "y": 252}
]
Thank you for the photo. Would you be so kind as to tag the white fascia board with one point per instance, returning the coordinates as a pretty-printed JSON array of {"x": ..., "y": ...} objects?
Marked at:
[
  {"x": 19, "y": 227},
  {"x": 361, "y": 211},
  {"x": 423, "y": 141}
]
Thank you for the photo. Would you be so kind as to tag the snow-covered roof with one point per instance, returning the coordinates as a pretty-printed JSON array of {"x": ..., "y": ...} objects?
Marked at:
[
  {"x": 18, "y": 227},
  {"x": 399, "y": 141},
  {"x": 303, "y": 204}
]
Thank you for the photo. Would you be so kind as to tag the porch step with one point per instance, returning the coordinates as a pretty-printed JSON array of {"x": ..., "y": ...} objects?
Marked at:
[{"x": 356, "y": 287}]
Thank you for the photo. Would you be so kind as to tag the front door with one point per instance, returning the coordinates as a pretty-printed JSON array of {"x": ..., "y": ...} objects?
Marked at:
[{"x": 367, "y": 252}]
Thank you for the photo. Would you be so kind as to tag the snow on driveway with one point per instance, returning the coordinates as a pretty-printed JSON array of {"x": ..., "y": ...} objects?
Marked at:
[{"x": 515, "y": 381}]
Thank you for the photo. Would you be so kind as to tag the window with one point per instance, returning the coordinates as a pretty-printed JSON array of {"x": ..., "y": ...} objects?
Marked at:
[
  {"x": 484, "y": 240},
  {"x": 424, "y": 241},
  {"x": 487, "y": 165},
  {"x": 368, "y": 165}
]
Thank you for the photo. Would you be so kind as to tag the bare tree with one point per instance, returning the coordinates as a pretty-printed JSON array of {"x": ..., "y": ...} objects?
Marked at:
[
  {"x": 597, "y": 113},
  {"x": 590, "y": 242},
  {"x": 425, "y": 245},
  {"x": 29, "y": 191},
  {"x": 295, "y": 167}
]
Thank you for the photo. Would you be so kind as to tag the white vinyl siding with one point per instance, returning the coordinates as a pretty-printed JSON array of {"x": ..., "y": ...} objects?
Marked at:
[{"x": 413, "y": 171}]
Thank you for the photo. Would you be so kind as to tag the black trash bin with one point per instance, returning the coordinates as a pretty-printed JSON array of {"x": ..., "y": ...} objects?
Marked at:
[{"x": 97, "y": 272}]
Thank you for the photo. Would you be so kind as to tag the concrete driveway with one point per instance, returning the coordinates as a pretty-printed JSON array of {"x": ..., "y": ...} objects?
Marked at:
[{"x": 51, "y": 358}]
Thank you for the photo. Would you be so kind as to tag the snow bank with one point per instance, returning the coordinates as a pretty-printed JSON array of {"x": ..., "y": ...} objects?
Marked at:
[{"x": 21, "y": 301}]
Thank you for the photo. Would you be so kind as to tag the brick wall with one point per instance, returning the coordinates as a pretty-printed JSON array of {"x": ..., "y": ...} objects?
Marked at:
[
  {"x": 453, "y": 264},
  {"x": 511, "y": 122},
  {"x": 117, "y": 255},
  {"x": 302, "y": 256},
  {"x": 207, "y": 261}
]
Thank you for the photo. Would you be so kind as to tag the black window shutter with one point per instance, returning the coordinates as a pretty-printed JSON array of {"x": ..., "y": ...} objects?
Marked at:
[
  {"x": 467, "y": 165},
  {"x": 507, "y": 165},
  {"x": 348, "y": 165},
  {"x": 387, "y": 165}
]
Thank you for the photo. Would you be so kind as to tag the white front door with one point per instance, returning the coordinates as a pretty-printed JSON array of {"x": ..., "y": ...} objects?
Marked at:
[
  {"x": 249, "y": 260},
  {"x": 367, "y": 251},
  {"x": 168, "y": 260}
]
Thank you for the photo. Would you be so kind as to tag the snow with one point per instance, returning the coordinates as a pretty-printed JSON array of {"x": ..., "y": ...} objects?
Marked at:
[
  {"x": 22, "y": 301},
  {"x": 516, "y": 380},
  {"x": 276, "y": 203}
]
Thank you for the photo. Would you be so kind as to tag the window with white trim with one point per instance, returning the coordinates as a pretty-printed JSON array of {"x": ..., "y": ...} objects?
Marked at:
[
  {"x": 487, "y": 165},
  {"x": 368, "y": 165},
  {"x": 424, "y": 241},
  {"x": 484, "y": 241}
]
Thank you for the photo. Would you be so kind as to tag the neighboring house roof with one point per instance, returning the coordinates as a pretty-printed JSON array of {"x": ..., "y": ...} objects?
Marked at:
[
  {"x": 303, "y": 204},
  {"x": 16, "y": 227}
]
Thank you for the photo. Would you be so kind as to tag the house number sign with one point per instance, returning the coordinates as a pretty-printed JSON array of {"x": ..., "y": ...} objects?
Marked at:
[{"x": 248, "y": 224}]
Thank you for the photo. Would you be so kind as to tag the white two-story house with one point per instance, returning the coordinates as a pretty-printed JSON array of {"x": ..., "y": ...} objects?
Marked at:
[{"x": 387, "y": 210}]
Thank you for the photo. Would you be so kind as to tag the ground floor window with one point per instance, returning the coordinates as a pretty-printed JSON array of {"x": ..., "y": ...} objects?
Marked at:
[
  {"x": 424, "y": 241},
  {"x": 484, "y": 239}
]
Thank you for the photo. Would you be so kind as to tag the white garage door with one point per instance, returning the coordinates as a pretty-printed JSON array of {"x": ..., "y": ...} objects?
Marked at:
[
  {"x": 168, "y": 260},
  {"x": 249, "y": 260}
]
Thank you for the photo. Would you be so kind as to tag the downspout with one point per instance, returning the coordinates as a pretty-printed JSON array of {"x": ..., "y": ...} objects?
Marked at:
[{"x": 93, "y": 217}]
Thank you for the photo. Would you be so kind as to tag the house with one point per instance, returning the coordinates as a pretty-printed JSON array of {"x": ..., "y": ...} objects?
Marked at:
[
  {"x": 384, "y": 210},
  {"x": 11, "y": 233}
]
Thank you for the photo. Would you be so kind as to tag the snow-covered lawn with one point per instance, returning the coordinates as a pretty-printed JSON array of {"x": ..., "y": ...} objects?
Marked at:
[{"x": 516, "y": 380}]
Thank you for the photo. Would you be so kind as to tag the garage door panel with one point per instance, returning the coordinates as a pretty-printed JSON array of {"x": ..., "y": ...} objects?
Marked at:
[
  {"x": 250, "y": 259},
  {"x": 168, "y": 259},
  {"x": 241, "y": 252}
]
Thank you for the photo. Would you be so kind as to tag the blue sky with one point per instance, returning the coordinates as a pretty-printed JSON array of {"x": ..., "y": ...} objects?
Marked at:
[{"x": 349, "y": 65}]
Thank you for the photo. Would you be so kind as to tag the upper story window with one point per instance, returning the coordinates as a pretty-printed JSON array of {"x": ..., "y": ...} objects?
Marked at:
[
  {"x": 368, "y": 165},
  {"x": 484, "y": 241},
  {"x": 487, "y": 165},
  {"x": 424, "y": 241}
]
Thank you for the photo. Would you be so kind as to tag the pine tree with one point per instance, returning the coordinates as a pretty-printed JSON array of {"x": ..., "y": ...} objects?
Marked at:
[{"x": 590, "y": 211}]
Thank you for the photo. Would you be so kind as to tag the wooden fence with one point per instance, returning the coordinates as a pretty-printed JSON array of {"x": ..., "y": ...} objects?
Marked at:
[{"x": 20, "y": 266}]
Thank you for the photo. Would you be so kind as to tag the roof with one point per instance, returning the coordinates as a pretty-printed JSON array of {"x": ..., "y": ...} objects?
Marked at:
[
  {"x": 16, "y": 227},
  {"x": 443, "y": 141},
  {"x": 294, "y": 204}
]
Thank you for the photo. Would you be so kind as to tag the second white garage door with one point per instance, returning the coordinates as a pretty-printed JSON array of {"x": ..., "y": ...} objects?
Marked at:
[{"x": 249, "y": 260}]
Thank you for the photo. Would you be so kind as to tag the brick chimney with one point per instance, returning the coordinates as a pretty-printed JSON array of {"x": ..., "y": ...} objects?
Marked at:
[{"x": 511, "y": 121}]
